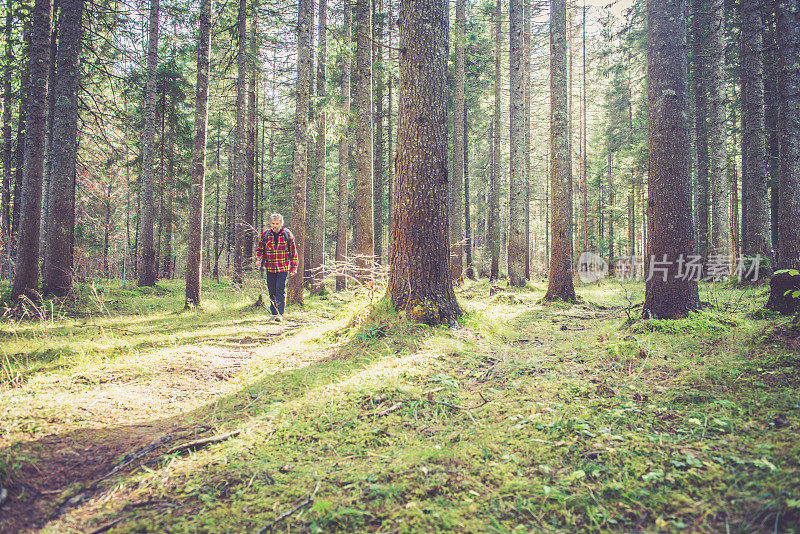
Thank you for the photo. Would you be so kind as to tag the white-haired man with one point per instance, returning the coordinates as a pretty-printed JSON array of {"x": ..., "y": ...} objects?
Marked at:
[{"x": 277, "y": 254}]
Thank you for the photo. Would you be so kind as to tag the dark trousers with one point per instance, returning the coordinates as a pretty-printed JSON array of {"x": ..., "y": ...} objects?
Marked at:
[{"x": 276, "y": 283}]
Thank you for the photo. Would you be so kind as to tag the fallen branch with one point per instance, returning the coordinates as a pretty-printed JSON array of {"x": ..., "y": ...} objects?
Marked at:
[
  {"x": 391, "y": 409},
  {"x": 299, "y": 506},
  {"x": 100, "y": 328},
  {"x": 135, "y": 455},
  {"x": 197, "y": 444},
  {"x": 107, "y": 526}
]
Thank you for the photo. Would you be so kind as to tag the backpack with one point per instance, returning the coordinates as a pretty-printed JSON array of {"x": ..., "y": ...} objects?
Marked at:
[{"x": 286, "y": 236}]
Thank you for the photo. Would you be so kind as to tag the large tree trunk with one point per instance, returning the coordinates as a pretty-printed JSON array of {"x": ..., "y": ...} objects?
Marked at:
[
  {"x": 526, "y": 73},
  {"x": 344, "y": 152},
  {"x": 669, "y": 293},
  {"x": 756, "y": 238},
  {"x": 459, "y": 153},
  {"x": 58, "y": 273},
  {"x": 494, "y": 183},
  {"x": 318, "y": 243},
  {"x": 48, "y": 143},
  {"x": 240, "y": 149},
  {"x": 197, "y": 191},
  {"x": 560, "y": 279},
  {"x": 364, "y": 230},
  {"x": 771, "y": 117},
  {"x": 147, "y": 267},
  {"x": 699, "y": 69},
  {"x": 419, "y": 276},
  {"x": 305, "y": 13},
  {"x": 26, "y": 276},
  {"x": 720, "y": 188},
  {"x": 516, "y": 238},
  {"x": 788, "y": 38}
]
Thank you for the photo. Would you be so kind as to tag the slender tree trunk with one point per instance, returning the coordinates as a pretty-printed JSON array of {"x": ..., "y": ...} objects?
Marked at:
[
  {"x": 668, "y": 294},
  {"x": 250, "y": 177},
  {"x": 26, "y": 276},
  {"x": 19, "y": 151},
  {"x": 701, "y": 80},
  {"x": 379, "y": 165},
  {"x": 470, "y": 238},
  {"x": 526, "y": 75},
  {"x": 364, "y": 229},
  {"x": 516, "y": 241},
  {"x": 58, "y": 273},
  {"x": 318, "y": 243},
  {"x": 48, "y": 143},
  {"x": 8, "y": 150},
  {"x": 584, "y": 159},
  {"x": 494, "y": 184},
  {"x": 560, "y": 285},
  {"x": 147, "y": 268},
  {"x": 344, "y": 152},
  {"x": 720, "y": 188},
  {"x": 756, "y": 238},
  {"x": 788, "y": 38},
  {"x": 300, "y": 154},
  {"x": 420, "y": 276},
  {"x": 610, "y": 216},
  {"x": 240, "y": 150},
  {"x": 389, "y": 127},
  {"x": 459, "y": 153},
  {"x": 197, "y": 189}
]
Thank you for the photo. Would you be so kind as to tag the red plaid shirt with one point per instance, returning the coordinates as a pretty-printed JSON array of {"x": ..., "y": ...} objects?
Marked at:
[{"x": 277, "y": 257}]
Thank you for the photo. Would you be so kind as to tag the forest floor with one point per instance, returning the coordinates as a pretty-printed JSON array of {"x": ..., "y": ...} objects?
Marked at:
[{"x": 120, "y": 412}]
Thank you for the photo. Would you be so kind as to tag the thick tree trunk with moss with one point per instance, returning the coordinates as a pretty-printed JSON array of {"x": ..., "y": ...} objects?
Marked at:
[
  {"x": 419, "y": 276},
  {"x": 788, "y": 38},
  {"x": 364, "y": 230},
  {"x": 668, "y": 294},
  {"x": 197, "y": 190},
  {"x": 26, "y": 276},
  {"x": 58, "y": 273},
  {"x": 516, "y": 230},
  {"x": 756, "y": 238},
  {"x": 560, "y": 285},
  {"x": 318, "y": 242}
]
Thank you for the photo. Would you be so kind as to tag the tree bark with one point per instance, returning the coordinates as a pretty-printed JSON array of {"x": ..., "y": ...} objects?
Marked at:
[
  {"x": 419, "y": 276},
  {"x": 560, "y": 285},
  {"x": 252, "y": 128},
  {"x": 26, "y": 276},
  {"x": 526, "y": 74},
  {"x": 8, "y": 150},
  {"x": 364, "y": 229},
  {"x": 669, "y": 231},
  {"x": 58, "y": 273},
  {"x": 147, "y": 268},
  {"x": 459, "y": 153},
  {"x": 494, "y": 184},
  {"x": 240, "y": 149},
  {"x": 516, "y": 238},
  {"x": 699, "y": 69},
  {"x": 756, "y": 238},
  {"x": 318, "y": 243},
  {"x": 720, "y": 188},
  {"x": 194, "y": 264},
  {"x": 344, "y": 151},
  {"x": 788, "y": 38},
  {"x": 294, "y": 290},
  {"x": 379, "y": 162}
]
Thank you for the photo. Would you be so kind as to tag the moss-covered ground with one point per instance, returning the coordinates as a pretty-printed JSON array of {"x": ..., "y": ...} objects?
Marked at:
[{"x": 528, "y": 417}]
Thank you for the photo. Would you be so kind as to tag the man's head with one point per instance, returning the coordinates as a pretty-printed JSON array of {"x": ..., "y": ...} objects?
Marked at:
[{"x": 276, "y": 222}]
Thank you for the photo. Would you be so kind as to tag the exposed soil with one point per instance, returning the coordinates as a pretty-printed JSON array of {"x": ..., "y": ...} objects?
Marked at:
[{"x": 129, "y": 422}]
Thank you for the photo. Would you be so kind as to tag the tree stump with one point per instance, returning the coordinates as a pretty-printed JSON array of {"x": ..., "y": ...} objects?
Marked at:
[
  {"x": 261, "y": 302},
  {"x": 781, "y": 288}
]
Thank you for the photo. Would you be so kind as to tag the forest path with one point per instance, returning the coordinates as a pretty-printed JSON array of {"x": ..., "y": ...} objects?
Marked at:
[{"x": 126, "y": 412}]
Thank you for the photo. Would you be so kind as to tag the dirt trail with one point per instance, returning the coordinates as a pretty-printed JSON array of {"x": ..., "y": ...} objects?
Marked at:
[{"x": 114, "y": 419}]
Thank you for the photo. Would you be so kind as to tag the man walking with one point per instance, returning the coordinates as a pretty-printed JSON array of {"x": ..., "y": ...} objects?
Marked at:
[{"x": 277, "y": 254}]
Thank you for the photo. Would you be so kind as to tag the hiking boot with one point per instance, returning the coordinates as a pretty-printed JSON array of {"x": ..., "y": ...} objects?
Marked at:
[{"x": 279, "y": 318}]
